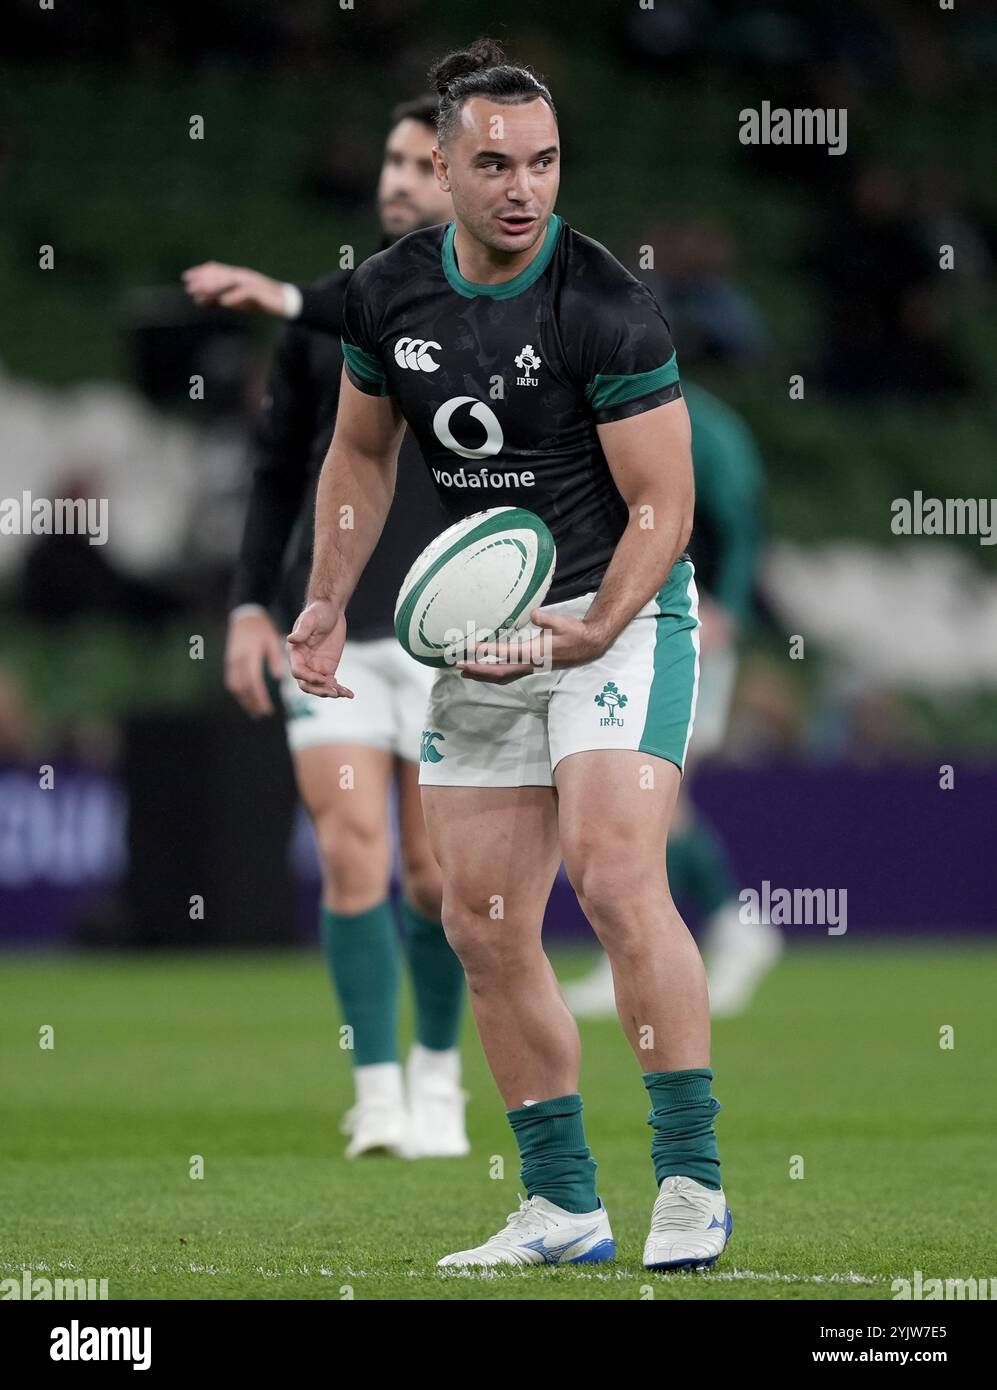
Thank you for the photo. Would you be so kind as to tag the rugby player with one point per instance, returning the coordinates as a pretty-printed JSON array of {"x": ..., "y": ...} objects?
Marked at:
[
  {"x": 595, "y": 439},
  {"x": 420, "y": 1114}
]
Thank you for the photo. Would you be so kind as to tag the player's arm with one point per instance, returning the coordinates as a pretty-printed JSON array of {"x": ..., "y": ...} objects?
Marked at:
[
  {"x": 355, "y": 490},
  {"x": 650, "y": 458},
  {"x": 281, "y": 448},
  {"x": 318, "y": 304},
  {"x": 237, "y": 287},
  {"x": 354, "y": 496},
  {"x": 643, "y": 426}
]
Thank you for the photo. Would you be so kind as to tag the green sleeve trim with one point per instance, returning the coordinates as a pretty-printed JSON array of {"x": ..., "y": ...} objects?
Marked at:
[
  {"x": 365, "y": 365},
  {"x": 617, "y": 390}
]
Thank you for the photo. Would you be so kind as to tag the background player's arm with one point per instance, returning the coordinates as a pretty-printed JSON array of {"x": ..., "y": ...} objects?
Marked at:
[
  {"x": 280, "y": 480},
  {"x": 281, "y": 445},
  {"x": 234, "y": 287},
  {"x": 354, "y": 496},
  {"x": 650, "y": 458},
  {"x": 317, "y": 304}
]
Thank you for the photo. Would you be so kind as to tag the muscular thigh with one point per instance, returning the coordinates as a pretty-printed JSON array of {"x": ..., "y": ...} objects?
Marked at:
[
  {"x": 614, "y": 811},
  {"x": 345, "y": 788},
  {"x": 494, "y": 842}
]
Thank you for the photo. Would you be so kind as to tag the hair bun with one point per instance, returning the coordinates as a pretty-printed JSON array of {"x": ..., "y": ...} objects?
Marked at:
[{"x": 483, "y": 53}]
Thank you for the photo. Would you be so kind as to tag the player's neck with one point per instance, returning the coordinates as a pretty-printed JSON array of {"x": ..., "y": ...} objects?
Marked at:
[{"x": 483, "y": 265}]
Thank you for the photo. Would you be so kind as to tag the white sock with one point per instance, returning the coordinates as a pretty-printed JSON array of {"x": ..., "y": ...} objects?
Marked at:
[{"x": 380, "y": 1082}]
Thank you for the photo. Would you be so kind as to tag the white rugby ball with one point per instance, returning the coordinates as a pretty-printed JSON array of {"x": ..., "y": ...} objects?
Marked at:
[{"x": 482, "y": 576}]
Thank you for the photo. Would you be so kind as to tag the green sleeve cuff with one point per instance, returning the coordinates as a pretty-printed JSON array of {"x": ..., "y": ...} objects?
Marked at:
[
  {"x": 365, "y": 367},
  {"x": 617, "y": 390}
]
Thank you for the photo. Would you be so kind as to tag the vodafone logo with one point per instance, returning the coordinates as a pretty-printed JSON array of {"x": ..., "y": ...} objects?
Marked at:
[
  {"x": 479, "y": 411},
  {"x": 413, "y": 353}
]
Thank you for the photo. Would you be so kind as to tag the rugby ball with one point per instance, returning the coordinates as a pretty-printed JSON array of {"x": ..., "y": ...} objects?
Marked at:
[{"x": 480, "y": 577}]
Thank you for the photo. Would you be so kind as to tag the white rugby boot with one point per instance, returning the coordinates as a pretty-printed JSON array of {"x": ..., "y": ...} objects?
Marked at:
[
  {"x": 690, "y": 1226},
  {"x": 737, "y": 956},
  {"x": 436, "y": 1103},
  {"x": 540, "y": 1233},
  {"x": 378, "y": 1123}
]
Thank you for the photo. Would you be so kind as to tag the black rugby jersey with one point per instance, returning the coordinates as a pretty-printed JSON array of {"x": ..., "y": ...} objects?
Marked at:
[{"x": 503, "y": 385}]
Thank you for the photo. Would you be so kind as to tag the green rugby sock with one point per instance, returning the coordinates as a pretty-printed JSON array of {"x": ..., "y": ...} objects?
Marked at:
[
  {"x": 437, "y": 981},
  {"x": 361, "y": 951},
  {"x": 699, "y": 869},
  {"x": 556, "y": 1161},
  {"x": 682, "y": 1113}
]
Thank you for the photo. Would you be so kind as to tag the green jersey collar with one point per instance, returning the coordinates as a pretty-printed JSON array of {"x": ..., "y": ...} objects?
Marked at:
[{"x": 508, "y": 288}]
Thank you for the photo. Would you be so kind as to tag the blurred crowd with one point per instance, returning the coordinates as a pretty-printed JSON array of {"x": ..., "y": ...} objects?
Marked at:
[
  {"x": 888, "y": 328},
  {"x": 853, "y": 41}
]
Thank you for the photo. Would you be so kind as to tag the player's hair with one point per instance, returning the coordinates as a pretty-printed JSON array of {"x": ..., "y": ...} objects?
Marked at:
[
  {"x": 481, "y": 70},
  {"x": 422, "y": 108}
]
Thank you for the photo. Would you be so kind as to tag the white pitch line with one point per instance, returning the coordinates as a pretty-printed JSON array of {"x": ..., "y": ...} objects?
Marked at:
[
  {"x": 532, "y": 1271},
  {"x": 711, "y": 1276}
]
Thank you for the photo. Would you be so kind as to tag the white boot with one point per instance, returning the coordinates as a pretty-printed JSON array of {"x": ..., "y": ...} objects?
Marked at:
[
  {"x": 378, "y": 1121},
  {"x": 690, "y": 1226},
  {"x": 436, "y": 1104},
  {"x": 540, "y": 1233}
]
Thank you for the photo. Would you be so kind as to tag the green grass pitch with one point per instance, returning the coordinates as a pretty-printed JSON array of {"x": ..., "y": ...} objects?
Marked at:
[{"x": 235, "y": 1058}]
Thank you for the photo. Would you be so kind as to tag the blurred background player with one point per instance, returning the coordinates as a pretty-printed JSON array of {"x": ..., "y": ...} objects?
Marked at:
[
  {"x": 347, "y": 754},
  {"x": 724, "y": 547}
]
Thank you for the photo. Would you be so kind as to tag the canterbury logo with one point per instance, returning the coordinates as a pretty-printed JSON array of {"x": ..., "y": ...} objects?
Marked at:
[
  {"x": 414, "y": 354},
  {"x": 427, "y": 752}
]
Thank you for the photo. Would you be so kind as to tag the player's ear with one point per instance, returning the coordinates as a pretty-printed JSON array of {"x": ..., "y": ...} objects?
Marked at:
[{"x": 442, "y": 169}]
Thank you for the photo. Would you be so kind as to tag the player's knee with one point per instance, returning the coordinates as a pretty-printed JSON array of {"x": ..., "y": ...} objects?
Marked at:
[
  {"x": 595, "y": 870},
  {"x": 610, "y": 883},
  {"x": 463, "y": 928},
  {"x": 485, "y": 951},
  {"x": 355, "y": 861}
]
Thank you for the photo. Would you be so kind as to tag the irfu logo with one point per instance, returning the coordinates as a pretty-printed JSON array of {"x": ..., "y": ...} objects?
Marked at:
[
  {"x": 527, "y": 361},
  {"x": 610, "y": 698},
  {"x": 427, "y": 753}
]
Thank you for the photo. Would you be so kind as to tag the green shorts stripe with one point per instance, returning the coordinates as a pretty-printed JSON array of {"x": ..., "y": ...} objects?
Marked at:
[{"x": 671, "y": 705}]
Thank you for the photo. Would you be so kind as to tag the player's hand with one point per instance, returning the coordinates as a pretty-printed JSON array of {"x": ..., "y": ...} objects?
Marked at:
[
  {"x": 561, "y": 641},
  {"x": 252, "y": 644},
  {"x": 234, "y": 287},
  {"x": 315, "y": 647}
]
